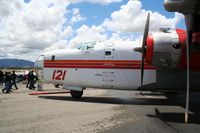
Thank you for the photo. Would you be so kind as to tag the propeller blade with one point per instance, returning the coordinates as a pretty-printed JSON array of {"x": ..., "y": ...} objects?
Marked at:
[
  {"x": 146, "y": 31},
  {"x": 189, "y": 20}
]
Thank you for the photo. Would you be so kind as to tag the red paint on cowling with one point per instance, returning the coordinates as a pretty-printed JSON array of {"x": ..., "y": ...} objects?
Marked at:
[
  {"x": 182, "y": 40},
  {"x": 194, "y": 56},
  {"x": 149, "y": 49}
]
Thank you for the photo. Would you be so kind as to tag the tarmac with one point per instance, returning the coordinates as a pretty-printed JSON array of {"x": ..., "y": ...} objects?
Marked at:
[{"x": 101, "y": 111}]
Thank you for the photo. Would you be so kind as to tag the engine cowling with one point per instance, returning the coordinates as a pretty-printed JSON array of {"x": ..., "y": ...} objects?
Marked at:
[
  {"x": 163, "y": 49},
  {"x": 167, "y": 50}
]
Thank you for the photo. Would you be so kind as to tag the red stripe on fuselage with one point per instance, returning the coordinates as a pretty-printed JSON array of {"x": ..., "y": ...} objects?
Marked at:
[{"x": 98, "y": 64}]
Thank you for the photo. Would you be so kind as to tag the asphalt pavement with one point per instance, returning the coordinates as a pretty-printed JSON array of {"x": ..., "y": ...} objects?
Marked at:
[{"x": 106, "y": 111}]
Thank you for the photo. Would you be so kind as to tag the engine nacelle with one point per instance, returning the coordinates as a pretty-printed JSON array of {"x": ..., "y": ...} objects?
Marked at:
[
  {"x": 183, "y": 6},
  {"x": 174, "y": 5},
  {"x": 163, "y": 49},
  {"x": 167, "y": 49}
]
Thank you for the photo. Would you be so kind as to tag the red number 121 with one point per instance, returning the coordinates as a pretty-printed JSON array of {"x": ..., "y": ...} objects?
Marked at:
[{"x": 59, "y": 74}]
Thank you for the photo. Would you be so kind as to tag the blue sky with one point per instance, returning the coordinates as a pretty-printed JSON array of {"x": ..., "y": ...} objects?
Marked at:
[{"x": 96, "y": 13}]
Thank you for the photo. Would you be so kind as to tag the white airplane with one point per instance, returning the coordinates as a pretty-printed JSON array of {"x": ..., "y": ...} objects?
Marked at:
[
  {"x": 120, "y": 65},
  {"x": 111, "y": 65}
]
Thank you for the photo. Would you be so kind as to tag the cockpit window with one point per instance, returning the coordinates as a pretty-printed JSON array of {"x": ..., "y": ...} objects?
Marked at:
[
  {"x": 39, "y": 62},
  {"x": 86, "y": 46}
]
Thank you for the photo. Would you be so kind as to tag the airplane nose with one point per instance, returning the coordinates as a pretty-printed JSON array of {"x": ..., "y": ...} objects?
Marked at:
[{"x": 39, "y": 65}]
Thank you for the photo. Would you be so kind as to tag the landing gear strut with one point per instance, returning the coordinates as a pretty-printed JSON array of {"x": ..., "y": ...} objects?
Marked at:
[{"x": 76, "y": 94}]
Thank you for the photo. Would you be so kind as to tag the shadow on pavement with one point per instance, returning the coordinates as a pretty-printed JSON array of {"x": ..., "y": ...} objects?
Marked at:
[
  {"x": 172, "y": 100},
  {"x": 113, "y": 100},
  {"x": 175, "y": 117}
]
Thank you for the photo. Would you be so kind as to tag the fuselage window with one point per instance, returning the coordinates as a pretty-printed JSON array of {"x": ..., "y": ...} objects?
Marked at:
[
  {"x": 53, "y": 57},
  {"x": 107, "y": 53}
]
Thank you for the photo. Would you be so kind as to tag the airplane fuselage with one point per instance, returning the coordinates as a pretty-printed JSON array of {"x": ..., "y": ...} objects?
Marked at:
[{"x": 103, "y": 65}]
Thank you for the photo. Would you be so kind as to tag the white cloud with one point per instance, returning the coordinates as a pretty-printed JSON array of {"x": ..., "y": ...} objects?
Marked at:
[
  {"x": 67, "y": 33},
  {"x": 27, "y": 29},
  {"x": 95, "y": 1},
  {"x": 60, "y": 44},
  {"x": 76, "y": 16},
  {"x": 87, "y": 34},
  {"x": 125, "y": 36},
  {"x": 8, "y": 6},
  {"x": 75, "y": 11},
  {"x": 131, "y": 18}
]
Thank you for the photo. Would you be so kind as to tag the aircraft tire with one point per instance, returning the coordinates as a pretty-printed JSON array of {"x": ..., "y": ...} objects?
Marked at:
[{"x": 76, "y": 94}]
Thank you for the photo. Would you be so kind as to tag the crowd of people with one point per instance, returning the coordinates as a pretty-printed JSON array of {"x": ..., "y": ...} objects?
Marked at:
[{"x": 8, "y": 79}]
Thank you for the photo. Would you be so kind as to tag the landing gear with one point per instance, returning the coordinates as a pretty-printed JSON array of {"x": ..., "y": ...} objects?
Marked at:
[{"x": 76, "y": 94}]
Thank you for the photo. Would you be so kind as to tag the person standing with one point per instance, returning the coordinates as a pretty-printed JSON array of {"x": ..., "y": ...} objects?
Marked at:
[
  {"x": 28, "y": 79},
  {"x": 7, "y": 82},
  {"x": 1, "y": 77},
  {"x": 13, "y": 80},
  {"x": 32, "y": 81}
]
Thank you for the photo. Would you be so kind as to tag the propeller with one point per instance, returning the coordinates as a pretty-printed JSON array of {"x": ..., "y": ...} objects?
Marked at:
[
  {"x": 189, "y": 27},
  {"x": 143, "y": 48}
]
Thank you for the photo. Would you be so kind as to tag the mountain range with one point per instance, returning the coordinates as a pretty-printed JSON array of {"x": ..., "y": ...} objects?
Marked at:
[{"x": 15, "y": 63}]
